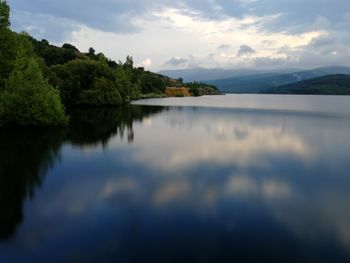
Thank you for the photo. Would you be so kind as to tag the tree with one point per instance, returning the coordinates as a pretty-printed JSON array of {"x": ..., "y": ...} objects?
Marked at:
[
  {"x": 103, "y": 92},
  {"x": 4, "y": 15},
  {"x": 45, "y": 42},
  {"x": 92, "y": 82},
  {"x": 92, "y": 51},
  {"x": 195, "y": 91},
  {"x": 70, "y": 47},
  {"x": 102, "y": 60},
  {"x": 129, "y": 63},
  {"x": 7, "y": 44},
  {"x": 123, "y": 82},
  {"x": 151, "y": 83},
  {"x": 28, "y": 99}
]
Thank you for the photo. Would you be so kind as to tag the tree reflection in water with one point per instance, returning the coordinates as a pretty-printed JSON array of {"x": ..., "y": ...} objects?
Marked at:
[
  {"x": 25, "y": 158},
  {"x": 26, "y": 155},
  {"x": 94, "y": 126}
]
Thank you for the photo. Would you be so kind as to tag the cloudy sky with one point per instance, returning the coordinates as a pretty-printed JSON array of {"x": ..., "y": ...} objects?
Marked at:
[{"x": 164, "y": 34}]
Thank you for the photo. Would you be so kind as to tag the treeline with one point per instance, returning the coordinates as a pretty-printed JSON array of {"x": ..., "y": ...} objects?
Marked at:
[
  {"x": 38, "y": 80},
  {"x": 199, "y": 89},
  {"x": 93, "y": 79},
  {"x": 195, "y": 88}
]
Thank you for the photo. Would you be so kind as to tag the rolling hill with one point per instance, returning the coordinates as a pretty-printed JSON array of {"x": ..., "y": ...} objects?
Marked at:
[
  {"x": 262, "y": 82},
  {"x": 204, "y": 74},
  {"x": 326, "y": 85}
]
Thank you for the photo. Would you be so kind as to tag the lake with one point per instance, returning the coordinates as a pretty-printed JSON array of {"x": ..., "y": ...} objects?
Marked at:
[{"x": 235, "y": 178}]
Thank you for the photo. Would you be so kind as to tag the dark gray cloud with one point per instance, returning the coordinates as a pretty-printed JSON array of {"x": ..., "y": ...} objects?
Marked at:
[
  {"x": 117, "y": 15},
  {"x": 43, "y": 26},
  {"x": 326, "y": 50},
  {"x": 176, "y": 61},
  {"x": 295, "y": 16},
  {"x": 224, "y": 47},
  {"x": 104, "y": 15},
  {"x": 332, "y": 49},
  {"x": 245, "y": 50},
  {"x": 321, "y": 41},
  {"x": 271, "y": 63},
  {"x": 56, "y": 20}
]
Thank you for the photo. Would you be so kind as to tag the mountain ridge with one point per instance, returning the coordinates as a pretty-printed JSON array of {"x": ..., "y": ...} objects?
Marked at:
[
  {"x": 262, "y": 82},
  {"x": 209, "y": 74},
  {"x": 338, "y": 84}
]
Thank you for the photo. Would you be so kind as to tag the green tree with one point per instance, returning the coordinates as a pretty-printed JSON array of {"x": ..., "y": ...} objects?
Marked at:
[
  {"x": 7, "y": 44},
  {"x": 91, "y": 82},
  {"x": 123, "y": 83},
  {"x": 151, "y": 83},
  {"x": 68, "y": 84},
  {"x": 103, "y": 92},
  {"x": 129, "y": 63},
  {"x": 4, "y": 14},
  {"x": 70, "y": 47},
  {"x": 92, "y": 51},
  {"x": 28, "y": 99}
]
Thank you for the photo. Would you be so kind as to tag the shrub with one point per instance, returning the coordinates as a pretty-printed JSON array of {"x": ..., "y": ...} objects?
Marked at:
[{"x": 28, "y": 98}]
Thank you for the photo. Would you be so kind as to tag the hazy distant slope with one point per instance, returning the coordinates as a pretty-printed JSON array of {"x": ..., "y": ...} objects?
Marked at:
[
  {"x": 204, "y": 74},
  {"x": 200, "y": 74},
  {"x": 326, "y": 85},
  {"x": 262, "y": 82}
]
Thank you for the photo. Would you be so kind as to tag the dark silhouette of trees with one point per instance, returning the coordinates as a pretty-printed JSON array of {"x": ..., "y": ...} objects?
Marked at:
[
  {"x": 27, "y": 155},
  {"x": 91, "y": 51},
  {"x": 25, "y": 158}
]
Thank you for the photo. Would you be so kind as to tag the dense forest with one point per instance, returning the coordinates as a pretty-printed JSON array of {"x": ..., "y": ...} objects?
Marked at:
[
  {"x": 327, "y": 85},
  {"x": 39, "y": 80}
]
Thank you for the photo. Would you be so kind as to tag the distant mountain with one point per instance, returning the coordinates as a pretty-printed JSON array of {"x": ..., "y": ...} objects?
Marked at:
[
  {"x": 326, "y": 85},
  {"x": 204, "y": 74},
  {"x": 261, "y": 82}
]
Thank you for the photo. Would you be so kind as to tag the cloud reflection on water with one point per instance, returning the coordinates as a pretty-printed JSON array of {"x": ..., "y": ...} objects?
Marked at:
[
  {"x": 220, "y": 167},
  {"x": 178, "y": 141}
]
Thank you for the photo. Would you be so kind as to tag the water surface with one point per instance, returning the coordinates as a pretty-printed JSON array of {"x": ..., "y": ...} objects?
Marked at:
[
  {"x": 336, "y": 105},
  {"x": 238, "y": 179}
]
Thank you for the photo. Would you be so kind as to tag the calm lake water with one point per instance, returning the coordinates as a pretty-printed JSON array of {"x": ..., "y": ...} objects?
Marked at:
[{"x": 236, "y": 178}]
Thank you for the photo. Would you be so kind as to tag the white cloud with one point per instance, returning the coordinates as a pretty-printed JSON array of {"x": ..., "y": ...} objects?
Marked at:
[
  {"x": 147, "y": 63},
  {"x": 207, "y": 33}
]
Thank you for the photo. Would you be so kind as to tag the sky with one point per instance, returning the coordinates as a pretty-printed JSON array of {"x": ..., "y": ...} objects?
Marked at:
[{"x": 164, "y": 34}]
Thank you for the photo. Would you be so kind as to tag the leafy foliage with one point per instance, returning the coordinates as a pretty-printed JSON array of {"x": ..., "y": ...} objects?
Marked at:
[
  {"x": 199, "y": 89},
  {"x": 88, "y": 82},
  {"x": 98, "y": 81},
  {"x": 4, "y": 15},
  {"x": 28, "y": 99},
  {"x": 30, "y": 69},
  {"x": 7, "y": 44},
  {"x": 150, "y": 83},
  {"x": 53, "y": 55}
]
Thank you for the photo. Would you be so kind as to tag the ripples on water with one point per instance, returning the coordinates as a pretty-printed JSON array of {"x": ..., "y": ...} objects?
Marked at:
[{"x": 182, "y": 184}]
